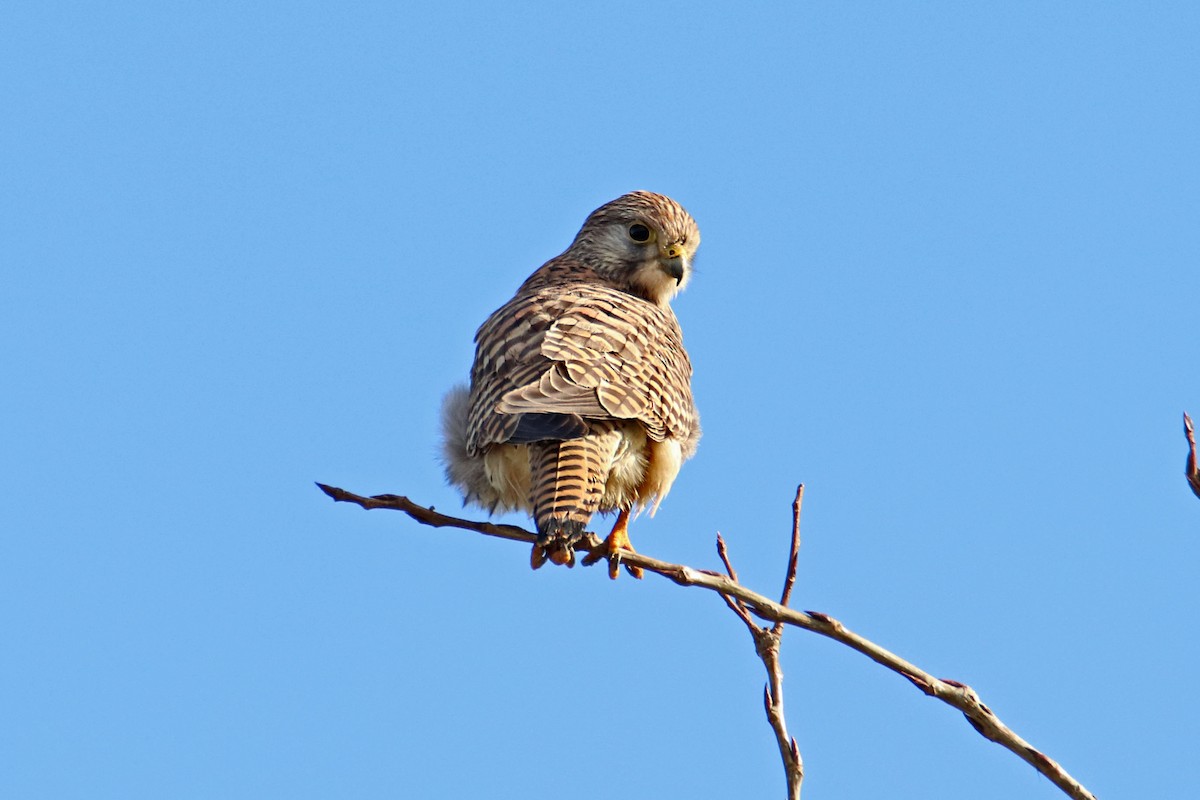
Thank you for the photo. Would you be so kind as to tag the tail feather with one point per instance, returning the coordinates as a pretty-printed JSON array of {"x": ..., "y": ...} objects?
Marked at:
[{"x": 568, "y": 482}]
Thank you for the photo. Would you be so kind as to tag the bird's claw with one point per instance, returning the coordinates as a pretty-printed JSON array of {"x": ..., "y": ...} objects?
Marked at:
[{"x": 612, "y": 551}]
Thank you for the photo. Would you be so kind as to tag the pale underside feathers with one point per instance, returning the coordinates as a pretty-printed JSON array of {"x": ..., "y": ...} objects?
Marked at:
[{"x": 580, "y": 397}]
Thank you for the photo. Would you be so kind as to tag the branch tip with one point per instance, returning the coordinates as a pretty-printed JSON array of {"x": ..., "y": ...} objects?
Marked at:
[
  {"x": 1192, "y": 470},
  {"x": 723, "y": 552},
  {"x": 794, "y": 554}
]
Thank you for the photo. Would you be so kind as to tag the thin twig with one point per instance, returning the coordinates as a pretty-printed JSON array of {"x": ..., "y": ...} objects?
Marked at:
[
  {"x": 723, "y": 552},
  {"x": 1193, "y": 472},
  {"x": 736, "y": 606},
  {"x": 794, "y": 557},
  {"x": 953, "y": 693}
]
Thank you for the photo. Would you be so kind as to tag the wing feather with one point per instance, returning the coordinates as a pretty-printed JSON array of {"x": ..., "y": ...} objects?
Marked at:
[{"x": 556, "y": 356}]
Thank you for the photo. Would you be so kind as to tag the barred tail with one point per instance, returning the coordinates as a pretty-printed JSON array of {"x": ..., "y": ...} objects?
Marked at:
[{"x": 568, "y": 482}]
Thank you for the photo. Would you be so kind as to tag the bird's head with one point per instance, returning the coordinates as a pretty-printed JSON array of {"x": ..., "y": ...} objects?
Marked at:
[{"x": 642, "y": 242}]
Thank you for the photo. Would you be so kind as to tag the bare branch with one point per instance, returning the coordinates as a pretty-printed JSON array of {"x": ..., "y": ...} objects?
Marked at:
[
  {"x": 724, "y": 554},
  {"x": 736, "y": 606},
  {"x": 1192, "y": 471},
  {"x": 953, "y": 693},
  {"x": 427, "y": 516},
  {"x": 766, "y": 645},
  {"x": 789, "y": 751},
  {"x": 794, "y": 557}
]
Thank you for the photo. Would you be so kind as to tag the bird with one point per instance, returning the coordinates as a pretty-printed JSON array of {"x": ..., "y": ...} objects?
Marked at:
[{"x": 580, "y": 397}]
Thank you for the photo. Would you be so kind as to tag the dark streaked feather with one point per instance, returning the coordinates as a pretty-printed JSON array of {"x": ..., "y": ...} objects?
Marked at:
[{"x": 545, "y": 427}]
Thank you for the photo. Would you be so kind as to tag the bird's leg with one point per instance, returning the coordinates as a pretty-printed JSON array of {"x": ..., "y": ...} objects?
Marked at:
[{"x": 617, "y": 540}]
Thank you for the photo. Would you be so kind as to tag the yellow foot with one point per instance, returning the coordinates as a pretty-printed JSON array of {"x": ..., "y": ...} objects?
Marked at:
[{"x": 610, "y": 548}]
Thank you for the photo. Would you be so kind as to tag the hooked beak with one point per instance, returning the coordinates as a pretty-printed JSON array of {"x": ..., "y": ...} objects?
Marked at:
[{"x": 674, "y": 261}]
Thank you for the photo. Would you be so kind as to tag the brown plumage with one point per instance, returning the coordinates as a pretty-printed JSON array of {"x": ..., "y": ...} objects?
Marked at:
[{"x": 580, "y": 398}]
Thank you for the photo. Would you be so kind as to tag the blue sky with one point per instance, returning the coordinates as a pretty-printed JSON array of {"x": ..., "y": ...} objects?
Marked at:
[{"x": 948, "y": 281}]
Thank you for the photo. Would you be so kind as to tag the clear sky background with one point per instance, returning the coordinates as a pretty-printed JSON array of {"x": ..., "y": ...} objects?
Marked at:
[{"x": 948, "y": 281}]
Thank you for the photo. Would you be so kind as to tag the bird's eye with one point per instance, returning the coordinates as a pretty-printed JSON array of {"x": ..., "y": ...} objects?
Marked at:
[{"x": 639, "y": 232}]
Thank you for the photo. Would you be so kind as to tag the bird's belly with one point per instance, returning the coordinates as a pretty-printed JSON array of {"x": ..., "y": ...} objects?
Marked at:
[
  {"x": 507, "y": 469},
  {"x": 628, "y": 469},
  {"x": 642, "y": 471}
]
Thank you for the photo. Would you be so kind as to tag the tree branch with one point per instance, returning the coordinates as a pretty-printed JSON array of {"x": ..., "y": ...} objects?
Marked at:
[
  {"x": 953, "y": 693},
  {"x": 766, "y": 645},
  {"x": 1192, "y": 471}
]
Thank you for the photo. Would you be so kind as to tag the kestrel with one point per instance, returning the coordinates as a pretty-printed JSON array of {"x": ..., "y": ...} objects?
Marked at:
[{"x": 580, "y": 398}]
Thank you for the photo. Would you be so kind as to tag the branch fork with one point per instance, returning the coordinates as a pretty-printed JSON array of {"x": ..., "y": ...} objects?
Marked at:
[{"x": 766, "y": 645}]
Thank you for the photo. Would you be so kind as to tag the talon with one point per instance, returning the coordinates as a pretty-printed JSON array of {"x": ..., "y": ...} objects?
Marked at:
[{"x": 611, "y": 549}]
